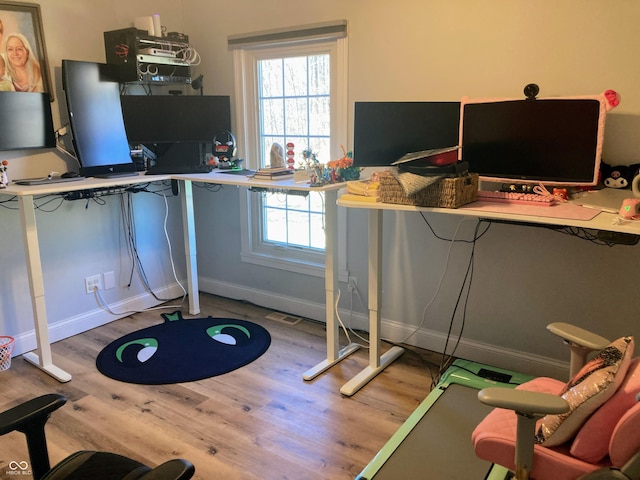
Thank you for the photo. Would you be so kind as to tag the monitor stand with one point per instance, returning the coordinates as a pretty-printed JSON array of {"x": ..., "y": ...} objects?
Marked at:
[{"x": 116, "y": 175}]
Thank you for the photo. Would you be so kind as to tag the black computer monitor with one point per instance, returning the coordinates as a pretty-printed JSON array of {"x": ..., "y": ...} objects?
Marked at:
[
  {"x": 554, "y": 141},
  {"x": 176, "y": 128},
  {"x": 26, "y": 121},
  {"x": 92, "y": 95},
  {"x": 151, "y": 119},
  {"x": 385, "y": 131}
]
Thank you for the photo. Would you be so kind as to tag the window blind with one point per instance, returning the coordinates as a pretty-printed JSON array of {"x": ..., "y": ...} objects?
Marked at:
[{"x": 282, "y": 36}]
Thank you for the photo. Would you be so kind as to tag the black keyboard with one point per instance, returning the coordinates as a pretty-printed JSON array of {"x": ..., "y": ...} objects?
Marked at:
[
  {"x": 46, "y": 180},
  {"x": 177, "y": 169}
]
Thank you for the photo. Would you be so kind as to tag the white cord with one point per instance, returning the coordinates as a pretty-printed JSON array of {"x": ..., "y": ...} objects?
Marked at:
[
  {"x": 540, "y": 189},
  {"x": 344, "y": 329},
  {"x": 190, "y": 55},
  {"x": 105, "y": 305},
  {"x": 335, "y": 309},
  {"x": 166, "y": 234}
]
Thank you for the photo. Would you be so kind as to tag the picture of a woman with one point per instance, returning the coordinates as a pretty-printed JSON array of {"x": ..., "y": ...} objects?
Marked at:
[
  {"x": 22, "y": 65},
  {"x": 5, "y": 83}
]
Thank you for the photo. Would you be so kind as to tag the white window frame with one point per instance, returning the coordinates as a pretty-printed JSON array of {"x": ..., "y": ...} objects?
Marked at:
[{"x": 253, "y": 250}]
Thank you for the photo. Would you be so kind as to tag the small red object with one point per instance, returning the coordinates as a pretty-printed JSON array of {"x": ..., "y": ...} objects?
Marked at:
[
  {"x": 561, "y": 192},
  {"x": 444, "y": 158}
]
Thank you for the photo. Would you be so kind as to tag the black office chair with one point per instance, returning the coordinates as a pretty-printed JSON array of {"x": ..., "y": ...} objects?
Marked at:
[{"x": 30, "y": 418}]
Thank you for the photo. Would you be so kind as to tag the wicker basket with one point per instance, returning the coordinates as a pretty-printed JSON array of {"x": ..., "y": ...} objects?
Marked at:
[
  {"x": 447, "y": 193},
  {"x": 6, "y": 348}
]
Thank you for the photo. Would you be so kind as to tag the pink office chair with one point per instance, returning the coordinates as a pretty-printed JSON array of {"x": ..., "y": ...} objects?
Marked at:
[{"x": 547, "y": 429}]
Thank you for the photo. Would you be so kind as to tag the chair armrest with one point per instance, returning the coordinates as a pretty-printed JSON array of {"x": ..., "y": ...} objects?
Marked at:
[
  {"x": 581, "y": 342},
  {"x": 176, "y": 469},
  {"x": 522, "y": 401},
  {"x": 578, "y": 336},
  {"x": 22, "y": 415},
  {"x": 529, "y": 407}
]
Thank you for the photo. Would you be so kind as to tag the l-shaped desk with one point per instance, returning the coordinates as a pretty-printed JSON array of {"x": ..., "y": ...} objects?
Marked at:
[
  {"x": 26, "y": 194},
  {"x": 377, "y": 361}
]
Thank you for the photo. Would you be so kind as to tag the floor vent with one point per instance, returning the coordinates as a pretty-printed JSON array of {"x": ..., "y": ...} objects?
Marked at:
[{"x": 284, "y": 318}]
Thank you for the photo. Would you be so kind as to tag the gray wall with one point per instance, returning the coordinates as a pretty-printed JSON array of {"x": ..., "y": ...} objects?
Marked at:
[{"x": 523, "y": 277}]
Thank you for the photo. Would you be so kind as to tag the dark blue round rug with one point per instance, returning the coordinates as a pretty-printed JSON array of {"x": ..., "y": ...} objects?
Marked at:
[{"x": 183, "y": 350}]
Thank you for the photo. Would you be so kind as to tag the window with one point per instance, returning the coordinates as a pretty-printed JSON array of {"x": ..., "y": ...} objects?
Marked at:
[
  {"x": 289, "y": 92},
  {"x": 294, "y": 107}
]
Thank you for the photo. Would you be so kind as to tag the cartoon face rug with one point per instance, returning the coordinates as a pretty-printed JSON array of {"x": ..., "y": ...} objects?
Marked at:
[{"x": 183, "y": 350}]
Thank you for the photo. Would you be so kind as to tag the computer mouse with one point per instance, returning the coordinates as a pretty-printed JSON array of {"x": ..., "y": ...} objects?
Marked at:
[{"x": 70, "y": 175}]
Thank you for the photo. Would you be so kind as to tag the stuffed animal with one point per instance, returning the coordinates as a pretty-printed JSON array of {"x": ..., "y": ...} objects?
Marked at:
[{"x": 619, "y": 176}]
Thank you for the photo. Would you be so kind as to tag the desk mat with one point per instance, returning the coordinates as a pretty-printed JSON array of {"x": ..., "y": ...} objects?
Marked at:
[
  {"x": 561, "y": 210},
  {"x": 606, "y": 199}
]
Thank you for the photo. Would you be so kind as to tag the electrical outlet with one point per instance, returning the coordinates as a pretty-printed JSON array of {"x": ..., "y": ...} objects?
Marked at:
[
  {"x": 352, "y": 283},
  {"x": 93, "y": 283}
]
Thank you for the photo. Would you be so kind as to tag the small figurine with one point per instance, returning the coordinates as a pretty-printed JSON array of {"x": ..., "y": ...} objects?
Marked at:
[
  {"x": 291, "y": 156},
  {"x": 561, "y": 193},
  {"x": 310, "y": 158},
  {"x": 4, "y": 178},
  {"x": 276, "y": 156},
  {"x": 224, "y": 149}
]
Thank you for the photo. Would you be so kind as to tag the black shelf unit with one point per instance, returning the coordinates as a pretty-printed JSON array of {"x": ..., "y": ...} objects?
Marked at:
[{"x": 147, "y": 59}]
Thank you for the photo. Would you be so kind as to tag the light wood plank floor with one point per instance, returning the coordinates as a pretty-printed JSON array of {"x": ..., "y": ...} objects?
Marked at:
[{"x": 262, "y": 421}]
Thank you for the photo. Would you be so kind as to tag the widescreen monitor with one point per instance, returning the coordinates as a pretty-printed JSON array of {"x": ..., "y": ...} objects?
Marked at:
[
  {"x": 92, "y": 95},
  {"x": 152, "y": 119},
  {"x": 26, "y": 121},
  {"x": 385, "y": 131},
  {"x": 555, "y": 141}
]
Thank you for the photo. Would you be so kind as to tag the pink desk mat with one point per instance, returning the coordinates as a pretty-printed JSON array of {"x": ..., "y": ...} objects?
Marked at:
[{"x": 561, "y": 210}]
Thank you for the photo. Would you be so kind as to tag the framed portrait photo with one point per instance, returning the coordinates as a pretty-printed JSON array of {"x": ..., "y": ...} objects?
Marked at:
[{"x": 23, "y": 55}]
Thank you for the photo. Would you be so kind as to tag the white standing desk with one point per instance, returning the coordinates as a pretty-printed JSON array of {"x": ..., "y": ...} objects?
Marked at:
[
  {"x": 334, "y": 353},
  {"x": 377, "y": 362},
  {"x": 26, "y": 194}
]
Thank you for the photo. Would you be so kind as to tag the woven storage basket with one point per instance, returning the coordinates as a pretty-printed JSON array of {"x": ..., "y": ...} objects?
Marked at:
[
  {"x": 447, "y": 193},
  {"x": 6, "y": 348}
]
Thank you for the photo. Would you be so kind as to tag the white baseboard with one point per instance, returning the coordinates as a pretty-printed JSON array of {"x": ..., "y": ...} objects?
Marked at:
[
  {"x": 395, "y": 331},
  {"x": 391, "y": 330},
  {"x": 71, "y": 326}
]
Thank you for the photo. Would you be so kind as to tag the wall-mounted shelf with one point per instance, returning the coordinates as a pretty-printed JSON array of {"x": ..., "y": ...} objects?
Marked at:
[{"x": 147, "y": 59}]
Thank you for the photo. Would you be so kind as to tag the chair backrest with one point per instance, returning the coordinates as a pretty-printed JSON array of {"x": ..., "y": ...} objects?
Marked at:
[
  {"x": 609, "y": 430},
  {"x": 625, "y": 440}
]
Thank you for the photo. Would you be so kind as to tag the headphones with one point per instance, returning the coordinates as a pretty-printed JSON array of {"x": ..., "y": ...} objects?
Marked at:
[{"x": 224, "y": 144}]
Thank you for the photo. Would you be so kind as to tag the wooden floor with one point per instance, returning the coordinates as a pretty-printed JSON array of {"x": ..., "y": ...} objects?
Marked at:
[{"x": 262, "y": 421}]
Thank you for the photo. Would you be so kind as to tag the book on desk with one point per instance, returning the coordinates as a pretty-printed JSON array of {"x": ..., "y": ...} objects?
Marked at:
[{"x": 272, "y": 173}]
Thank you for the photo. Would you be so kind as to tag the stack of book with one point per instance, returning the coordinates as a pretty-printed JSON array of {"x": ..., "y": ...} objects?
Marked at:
[{"x": 272, "y": 173}]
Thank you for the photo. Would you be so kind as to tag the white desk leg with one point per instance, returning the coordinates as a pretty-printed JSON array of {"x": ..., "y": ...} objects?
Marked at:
[
  {"x": 189, "y": 228},
  {"x": 334, "y": 355},
  {"x": 36, "y": 285},
  {"x": 377, "y": 363}
]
